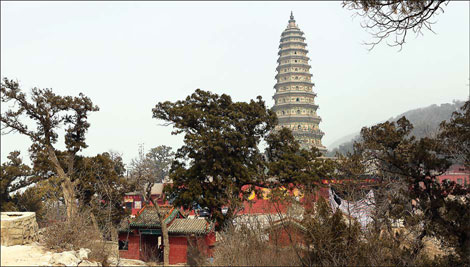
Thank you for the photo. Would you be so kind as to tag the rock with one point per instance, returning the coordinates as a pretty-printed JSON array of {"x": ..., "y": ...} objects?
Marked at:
[
  {"x": 130, "y": 262},
  {"x": 89, "y": 263},
  {"x": 83, "y": 253},
  {"x": 67, "y": 258}
]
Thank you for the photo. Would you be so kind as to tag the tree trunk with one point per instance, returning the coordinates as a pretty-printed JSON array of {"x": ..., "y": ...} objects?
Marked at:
[
  {"x": 68, "y": 188},
  {"x": 166, "y": 241},
  {"x": 69, "y": 197}
]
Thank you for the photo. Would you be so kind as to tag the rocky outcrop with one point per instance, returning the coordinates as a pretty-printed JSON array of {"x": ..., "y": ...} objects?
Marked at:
[
  {"x": 18, "y": 228},
  {"x": 37, "y": 255}
]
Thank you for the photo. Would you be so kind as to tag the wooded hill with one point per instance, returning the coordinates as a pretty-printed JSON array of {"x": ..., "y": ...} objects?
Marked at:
[{"x": 425, "y": 121}]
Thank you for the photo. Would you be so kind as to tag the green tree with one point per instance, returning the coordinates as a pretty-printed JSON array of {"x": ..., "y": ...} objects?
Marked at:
[
  {"x": 290, "y": 165},
  {"x": 30, "y": 200},
  {"x": 220, "y": 163},
  {"x": 441, "y": 209},
  {"x": 99, "y": 183},
  {"x": 220, "y": 153},
  {"x": 50, "y": 112},
  {"x": 456, "y": 135},
  {"x": 14, "y": 176}
]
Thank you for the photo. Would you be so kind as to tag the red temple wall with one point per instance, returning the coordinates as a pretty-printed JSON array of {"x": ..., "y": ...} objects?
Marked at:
[
  {"x": 178, "y": 249},
  {"x": 133, "y": 251}
]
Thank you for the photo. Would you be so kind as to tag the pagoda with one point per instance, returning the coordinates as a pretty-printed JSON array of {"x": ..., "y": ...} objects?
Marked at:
[{"x": 294, "y": 100}]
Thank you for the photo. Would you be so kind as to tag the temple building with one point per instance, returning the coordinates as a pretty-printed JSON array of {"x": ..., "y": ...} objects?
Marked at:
[{"x": 294, "y": 100}]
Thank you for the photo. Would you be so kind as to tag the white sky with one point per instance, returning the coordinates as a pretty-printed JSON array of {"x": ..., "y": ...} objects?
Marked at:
[{"x": 128, "y": 56}]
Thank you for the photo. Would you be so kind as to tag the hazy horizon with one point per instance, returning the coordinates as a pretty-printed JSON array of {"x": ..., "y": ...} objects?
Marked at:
[{"x": 128, "y": 56}]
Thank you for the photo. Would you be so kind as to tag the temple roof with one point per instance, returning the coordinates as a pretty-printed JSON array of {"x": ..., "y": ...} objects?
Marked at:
[
  {"x": 177, "y": 223},
  {"x": 190, "y": 226},
  {"x": 148, "y": 218}
]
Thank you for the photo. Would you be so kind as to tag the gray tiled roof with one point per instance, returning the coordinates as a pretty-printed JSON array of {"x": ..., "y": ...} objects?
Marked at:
[
  {"x": 190, "y": 226},
  {"x": 148, "y": 218}
]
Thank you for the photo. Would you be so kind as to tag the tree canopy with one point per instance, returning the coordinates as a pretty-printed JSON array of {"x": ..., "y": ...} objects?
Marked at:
[
  {"x": 50, "y": 112},
  {"x": 14, "y": 175},
  {"x": 220, "y": 163},
  {"x": 439, "y": 209}
]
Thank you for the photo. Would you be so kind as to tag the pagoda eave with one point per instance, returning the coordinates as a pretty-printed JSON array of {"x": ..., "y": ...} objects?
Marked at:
[
  {"x": 289, "y": 119},
  {"x": 293, "y": 82},
  {"x": 292, "y": 57},
  {"x": 293, "y": 65},
  {"x": 294, "y": 93},
  {"x": 294, "y": 105}
]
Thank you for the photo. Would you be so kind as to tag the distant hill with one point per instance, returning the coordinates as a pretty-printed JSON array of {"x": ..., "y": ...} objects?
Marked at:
[{"x": 425, "y": 121}]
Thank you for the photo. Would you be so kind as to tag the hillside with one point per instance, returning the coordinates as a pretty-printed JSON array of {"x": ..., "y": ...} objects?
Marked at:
[{"x": 425, "y": 121}]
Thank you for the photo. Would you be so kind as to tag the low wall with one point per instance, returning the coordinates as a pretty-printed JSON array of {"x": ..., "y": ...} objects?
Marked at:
[{"x": 18, "y": 228}]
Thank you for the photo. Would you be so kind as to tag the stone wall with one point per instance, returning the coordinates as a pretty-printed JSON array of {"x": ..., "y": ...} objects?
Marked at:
[{"x": 18, "y": 228}]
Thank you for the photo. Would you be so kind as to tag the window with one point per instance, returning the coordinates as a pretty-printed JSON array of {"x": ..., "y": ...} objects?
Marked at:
[
  {"x": 123, "y": 245},
  {"x": 459, "y": 181},
  {"x": 297, "y": 99},
  {"x": 129, "y": 205},
  {"x": 296, "y": 87},
  {"x": 295, "y": 53},
  {"x": 283, "y": 112},
  {"x": 298, "y": 112},
  {"x": 299, "y": 127},
  {"x": 295, "y": 60},
  {"x": 295, "y": 69}
]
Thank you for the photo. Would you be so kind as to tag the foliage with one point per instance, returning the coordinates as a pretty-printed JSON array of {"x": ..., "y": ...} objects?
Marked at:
[
  {"x": 395, "y": 17},
  {"x": 14, "y": 176},
  {"x": 30, "y": 200},
  {"x": 439, "y": 209},
  {"x": 456, "y": 135},
  {"x": 99, "y": 183},
  {"x": 50, "y": 112},
  {"x": 334, "y": 241},
  {"x": 220, "y": 153},
  {"x": 293, "y": 166},
  {"x": 220, "y": 163}
]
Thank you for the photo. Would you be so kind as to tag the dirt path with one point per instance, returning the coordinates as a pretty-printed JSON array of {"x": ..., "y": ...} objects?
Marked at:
[{"x": 25, "y": 255}]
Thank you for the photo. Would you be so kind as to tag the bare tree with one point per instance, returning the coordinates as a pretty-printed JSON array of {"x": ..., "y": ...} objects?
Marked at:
[
  {"x": 395, "y": 17},
  {"x": 147, "y": 169}
]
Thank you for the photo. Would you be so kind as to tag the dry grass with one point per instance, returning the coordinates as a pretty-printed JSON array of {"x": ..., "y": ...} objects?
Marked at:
[
  {"x": 78, "y": 232},
  {"x": 247, "y": 246}
]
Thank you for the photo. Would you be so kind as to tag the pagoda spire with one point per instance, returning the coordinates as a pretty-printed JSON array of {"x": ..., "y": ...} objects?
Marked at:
[
  {"x": 291, "y": 20},
  {"x": 294, "y": 99}
]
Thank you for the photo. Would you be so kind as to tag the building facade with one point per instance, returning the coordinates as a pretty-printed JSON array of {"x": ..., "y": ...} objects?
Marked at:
[
  {"x": 458, "y": 174},
  {"x": 294, "y": 100}
]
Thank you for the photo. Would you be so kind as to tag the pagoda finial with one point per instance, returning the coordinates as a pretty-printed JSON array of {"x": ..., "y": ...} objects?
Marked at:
[{"x": 291, "y": 17}]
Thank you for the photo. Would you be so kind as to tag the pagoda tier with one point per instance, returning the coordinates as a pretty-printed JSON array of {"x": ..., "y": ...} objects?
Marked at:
[{"x": 294, "y": 98}]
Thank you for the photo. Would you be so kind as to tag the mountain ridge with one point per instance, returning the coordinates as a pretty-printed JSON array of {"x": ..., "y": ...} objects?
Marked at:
[{"x": 425, "y": 120}]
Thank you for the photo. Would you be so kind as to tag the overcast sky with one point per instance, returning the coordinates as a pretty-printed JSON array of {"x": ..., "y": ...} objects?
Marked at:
[{"x": 128, "y": 56}]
